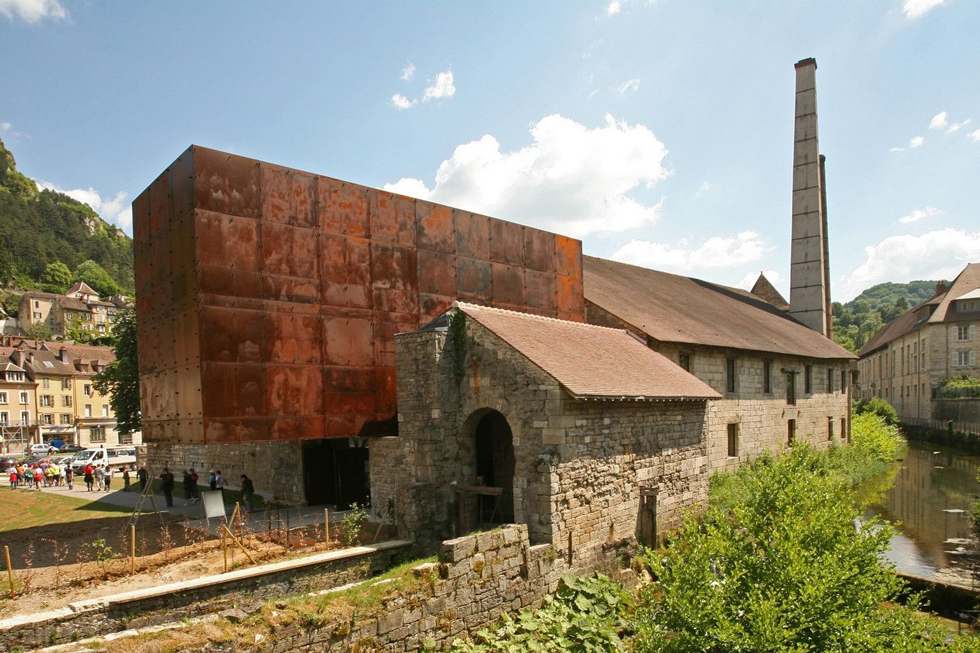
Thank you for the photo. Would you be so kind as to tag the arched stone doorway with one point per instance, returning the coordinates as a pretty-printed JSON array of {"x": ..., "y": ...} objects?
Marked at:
[{"x": 487, "y": 494}]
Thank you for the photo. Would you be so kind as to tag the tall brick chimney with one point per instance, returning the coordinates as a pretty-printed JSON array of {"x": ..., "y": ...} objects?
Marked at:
[{"x": 809, "y": 277}]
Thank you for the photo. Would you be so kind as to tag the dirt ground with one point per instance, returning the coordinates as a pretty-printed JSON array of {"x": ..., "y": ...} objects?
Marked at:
[{"x": 58, "y": 564}]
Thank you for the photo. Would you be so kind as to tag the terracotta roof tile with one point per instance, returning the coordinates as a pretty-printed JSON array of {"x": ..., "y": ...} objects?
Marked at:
[
  {"x": 591, "y": 361},
  {"x": 672, "y": 308}
]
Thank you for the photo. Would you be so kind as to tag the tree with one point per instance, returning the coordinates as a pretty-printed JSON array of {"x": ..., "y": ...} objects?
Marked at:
[
  {"x": 780, "y": 567},
  {"x": 120, "y": 380},
  {"x": 58, "y": 275},
  {"x": 95, "y": 276},
  {"x": 38, "y": 331}
]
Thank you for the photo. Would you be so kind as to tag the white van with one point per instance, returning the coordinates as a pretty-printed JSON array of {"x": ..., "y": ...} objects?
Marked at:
[{"x": 115, "y": 457}]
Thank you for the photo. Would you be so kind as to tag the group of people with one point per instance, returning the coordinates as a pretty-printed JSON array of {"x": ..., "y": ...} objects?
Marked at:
[
  {"x": 98, "y": 478},
  {"x": 43, "y": 474},
  {"x": 216, "y": 482}
]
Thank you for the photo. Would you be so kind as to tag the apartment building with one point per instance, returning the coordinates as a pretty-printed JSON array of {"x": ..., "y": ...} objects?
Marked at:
[
  {"x": 79, "y": 308},
  {"x": 18, "y": 404}
]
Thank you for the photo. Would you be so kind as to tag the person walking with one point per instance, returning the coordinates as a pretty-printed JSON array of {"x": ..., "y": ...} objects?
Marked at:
[
  {"x": 167, "y": 485},
  {"x": 188, "y": 488},
  {"x": 196, "y": 496},
  {"x": 58, "y": 471},
  {"x": 13, "y": 478},
  {"x": 126, "y": 478},
  {"x": 89, "y": 473},
  {"x": 143, "y": 477},
  {"x": 107, "y": 477},
  {"x": 99, "y": 477},
  {"x": 69, "y": 477},
  {"x": 212, "y": 480},
  {"x": 248, "y": 489},
  {"x": 38, "y": 478}
]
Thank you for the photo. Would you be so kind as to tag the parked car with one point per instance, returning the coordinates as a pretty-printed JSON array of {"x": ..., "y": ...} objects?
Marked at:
[
  {"x": 7, "y": 463},
  {"x": 40, "y": 449},
  {"x": 115, "y": 457},
  {"x": 70, "y": 448}
]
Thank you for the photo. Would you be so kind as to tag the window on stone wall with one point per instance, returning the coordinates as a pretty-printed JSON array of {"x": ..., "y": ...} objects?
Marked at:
[
  {"x": 733, "y": 440},
  {"x": 767, "y": 377},
  {"x": 685, "y": 361},
  {"x": 790, "y": 432},
  {"x": 98, "y": 434},
  {"x": 843, "y": 428},
  {"x": 808, "y": 379},
  {"x": 843, "y": 380},
  {"x": 791, "y": 388},
  {"x": 127, "y": 438},
  {"x": 730, "y": 375},
  {"x": 830, "y": 379},
  {"x": 830, "y": 428}
]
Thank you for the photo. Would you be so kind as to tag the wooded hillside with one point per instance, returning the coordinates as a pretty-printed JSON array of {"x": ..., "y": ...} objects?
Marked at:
[{"x": 859, "y": 319}]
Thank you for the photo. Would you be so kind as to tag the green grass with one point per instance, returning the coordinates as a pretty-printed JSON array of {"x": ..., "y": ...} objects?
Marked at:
[{"x": 30, "y": 508}]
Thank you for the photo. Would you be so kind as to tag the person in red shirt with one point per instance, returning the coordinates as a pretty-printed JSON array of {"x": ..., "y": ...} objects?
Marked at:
[
  {"x": 13, "y": 479},
  {"x": 89, "y": 476}
]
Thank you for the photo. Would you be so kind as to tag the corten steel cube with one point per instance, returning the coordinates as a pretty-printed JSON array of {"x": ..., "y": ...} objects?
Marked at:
[{"x": 269, "y": 298}]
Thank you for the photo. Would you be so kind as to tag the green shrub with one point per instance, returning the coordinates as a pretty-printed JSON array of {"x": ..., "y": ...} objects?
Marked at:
[
  {"x": 960, "y": 387},
  {"x": 872, "y": 433},
  {"x": 878, "y": 406},
  {"x": 780, "y": 566},
  {"x": 352, "y": 524},
  {"x": 585, "y": 615}
]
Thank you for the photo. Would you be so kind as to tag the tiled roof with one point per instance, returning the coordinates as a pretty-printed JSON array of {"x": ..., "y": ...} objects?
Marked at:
[
  {"x": 767, "y": 292},
  {"x": 82, "y": 287},
  {"x": 591, "y": 361},
  {"x": 966, "y": 283},
  {"x": 75, "y": 304},
  {"x": 45, "y": 362},
  {"x": 671, "y": 308}
]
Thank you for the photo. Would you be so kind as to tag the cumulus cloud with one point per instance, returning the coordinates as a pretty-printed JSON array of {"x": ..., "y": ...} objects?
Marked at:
[
  {"x": 32, "y": 11},
  {"x": 938, "y": 121},
  {"x": 443, "y": 87},
  {"x": 975, "y": 136},
  {"x": 630, "y": 85},
  {"x": 940, "y": 254},
  {"x": 919, "y": 214},
  {"x": 613, "y": 8},
  {"x": 916, "y": 141},
  {"x": 956, "y": 126},
  {"x": 916, "y": 8},
  {"x": 9, "y": 131},
  {"x": 684, "y": 256},
  {"x": 408, "y": 72},
  {"x": 399, "y": 101},
  {"x": 115, "y": 210},
  {"x": 569, "y": 179}
]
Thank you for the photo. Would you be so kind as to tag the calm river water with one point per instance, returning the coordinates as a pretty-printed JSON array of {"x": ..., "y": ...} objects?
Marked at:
[{"x": 933, "y": 493}]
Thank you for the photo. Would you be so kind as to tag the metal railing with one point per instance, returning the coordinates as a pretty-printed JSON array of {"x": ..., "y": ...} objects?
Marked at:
[{"x": 972, "y": 428}]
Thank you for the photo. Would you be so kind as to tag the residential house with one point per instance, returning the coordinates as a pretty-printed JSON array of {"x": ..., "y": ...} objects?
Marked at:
[
  {"x": 18, "y": 405},
  {"x": 54, "y": 379}
]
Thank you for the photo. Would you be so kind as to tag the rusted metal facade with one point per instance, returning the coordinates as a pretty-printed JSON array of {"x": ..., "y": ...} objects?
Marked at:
[{"x": 268, "y": 298}]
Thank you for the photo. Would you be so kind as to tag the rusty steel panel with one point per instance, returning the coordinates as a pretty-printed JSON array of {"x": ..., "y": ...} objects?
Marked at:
[{"x": 269, "y": 298}]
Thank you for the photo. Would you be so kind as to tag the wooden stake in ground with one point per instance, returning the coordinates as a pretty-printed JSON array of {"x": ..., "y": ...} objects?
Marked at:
[
  {"x": 224, "y": 551},
  {"x": 10, "y": 572},
  {"x": 326, "y": 526},
  {"x": 240, "y": 545},
  {"x": 132, "y": 550}
]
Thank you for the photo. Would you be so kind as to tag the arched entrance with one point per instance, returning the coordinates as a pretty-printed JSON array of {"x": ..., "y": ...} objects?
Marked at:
[{"x": 485, "y": 492}]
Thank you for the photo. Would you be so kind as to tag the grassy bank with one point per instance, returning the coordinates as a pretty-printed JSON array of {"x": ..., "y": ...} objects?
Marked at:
[{"x": 21, "y": 509}]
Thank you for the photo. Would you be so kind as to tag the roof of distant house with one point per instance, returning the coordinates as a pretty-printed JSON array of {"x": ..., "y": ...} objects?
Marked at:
[
  {"x": 764, "y": 290},
  {"x": 965, "y": 286},
  {"x": 672, "y": 308},
  {"x": 591, "y": 362},
  {"x": 82, "y": 287}
]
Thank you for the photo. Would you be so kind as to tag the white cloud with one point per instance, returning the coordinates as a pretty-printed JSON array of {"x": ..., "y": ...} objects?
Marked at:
[
  {"x": 32, "y": 11},
  {"x": 613, "y": 8},
  {"x": 702, "y": 189},
  {"x": 408, "y": 72},
  {"x": 442, "y": 88},
  {"x": 746, "y": 282},
  {"x": 5, "y": 126},
  {"x": 975, "y": 136},
  {"x": 630, "y": 85},
  {"x": 938, "y": 121},
  {"x": 956, "y": 126},
  {"x": 570, "y": 179},
  {"x": 115, "y": 210},
  {"x": 916, "y": 8},
  {"x": 593, "y": 93},
  {"x": 940, "y": 254},
  {"x": 916, "y": 141},
  {"x": 919, "y": 214},
  {"x": 897, "y": 149},
  {"x": 8, "y": 129},
  {"x": 399, "y": 101},
  {"x": 716, "y": 252}
]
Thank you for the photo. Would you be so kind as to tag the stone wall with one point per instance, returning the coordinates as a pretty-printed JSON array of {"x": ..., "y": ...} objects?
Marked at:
[
  {"x": 274, "y": 467},
  {"x": 958, "y": 410},
  {"x": 582, "y": 468}
]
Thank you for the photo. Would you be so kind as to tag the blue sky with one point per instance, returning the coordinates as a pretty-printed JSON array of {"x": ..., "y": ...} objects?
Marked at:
[{"x": 660, "y": 133}]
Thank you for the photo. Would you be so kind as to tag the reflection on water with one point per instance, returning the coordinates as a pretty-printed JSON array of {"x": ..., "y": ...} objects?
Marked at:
[{"x": 932, "y": 498}]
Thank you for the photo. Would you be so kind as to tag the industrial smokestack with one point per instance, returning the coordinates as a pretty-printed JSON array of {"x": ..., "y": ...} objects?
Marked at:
[{"x": 809, "y": 292}]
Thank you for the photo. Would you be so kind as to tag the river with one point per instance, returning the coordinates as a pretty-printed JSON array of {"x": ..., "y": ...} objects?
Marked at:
[{"x": 934, "y": 491}]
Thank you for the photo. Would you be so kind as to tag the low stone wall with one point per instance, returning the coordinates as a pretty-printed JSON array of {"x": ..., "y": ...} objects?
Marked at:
[
  {"x": 957, "y": 410},
  {"x": 173, "y": 602},
  {"x": 272, "y": 466}
]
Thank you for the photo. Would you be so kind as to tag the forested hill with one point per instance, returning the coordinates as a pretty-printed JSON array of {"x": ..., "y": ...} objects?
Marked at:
[
  {"x": 41, "y": 228},
  {"x": 859, "y": 319}
]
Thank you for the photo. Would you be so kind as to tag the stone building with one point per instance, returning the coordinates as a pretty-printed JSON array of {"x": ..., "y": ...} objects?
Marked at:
[
  {"x": 779, "y": 381},
  {"x": 79, "y": 308},
  {"x": 906, "y": 361},
  {"x": 18, "y": 404},
  {"x": 580, "y": 432}
]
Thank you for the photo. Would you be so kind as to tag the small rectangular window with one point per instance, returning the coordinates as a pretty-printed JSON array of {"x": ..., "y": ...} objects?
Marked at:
[
  {"x": 830, "y": 379},
  {"x": 808, "y": 380},
  {"x": 3, "y": 397},
  {"x": 830, "y": 428},
  {"x": 790, "y": 432},
  {"x": 843, "y": 380},
  {"x": 843, "y": 428},
  {"x": 767, "y": 377},
  {"x": 791, "y": 388},
  {"x": 685, "y": 361},
  {"x": 733, "y": 440},
  {"x": 730, "y": 375},
  {"x": 23, "y": 398}
]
